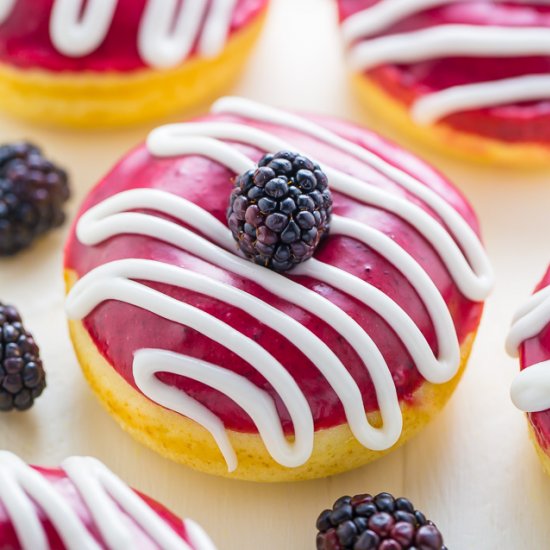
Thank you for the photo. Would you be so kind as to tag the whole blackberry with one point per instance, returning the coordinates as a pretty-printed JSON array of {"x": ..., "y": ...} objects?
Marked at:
[
  {"x": 279, "y": 212},
  {"x": 382, "y": 522},
  {"x": 32, "y": 194},
  {"x": 22, "y": 377}
]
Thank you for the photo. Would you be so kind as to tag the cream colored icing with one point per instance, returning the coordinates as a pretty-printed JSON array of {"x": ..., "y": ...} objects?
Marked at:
[
  {"x": 106, "y": 497},
  {"x": 530, "y": 390},
  {"x": 446, "y": 40},
  {"x": 117, "y": 280}
]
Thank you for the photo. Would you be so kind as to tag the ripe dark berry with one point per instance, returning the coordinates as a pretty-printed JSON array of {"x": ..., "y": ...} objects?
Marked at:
[
  {"x": 341, "y": 501},
  {"x": 403, "y": 533},
  {"x": 32, "y": 194},
  {"x": 22, "y": 377},
  {"x": 385, "y": 502},
  {"x": 323, "y": 521},
  {"x": 342, "y": 513},
  {"x": 279, "y": 212},
  {"x": 428, "y": 537},
  {"x": 347, "y": 532},
  {"x": 369, "y": 540},
  {"x": 382, "y": 522},
  {"x": 404, "y": 505}
]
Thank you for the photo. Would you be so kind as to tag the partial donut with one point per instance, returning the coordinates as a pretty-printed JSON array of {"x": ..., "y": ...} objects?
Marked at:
[
  {"x": 84, "y": 506},
  {"x": 469, "y": 77},
  {"x": 100, "y": 63}
]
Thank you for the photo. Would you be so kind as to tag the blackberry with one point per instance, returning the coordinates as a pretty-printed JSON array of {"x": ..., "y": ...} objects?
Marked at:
[
  {"x": 280, "y": 211},
  {"x": 32, "y": 194},
  {"x": 379, "y": 522},
  {"x": 22, "y": 377}
]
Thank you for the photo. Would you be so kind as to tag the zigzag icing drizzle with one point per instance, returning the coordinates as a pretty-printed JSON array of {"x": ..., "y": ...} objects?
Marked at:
[
  {"x": 5, "y": 9},
  {"x": 368, "y": 51},
  {"x": 531, "y": 389},
  {"x": 117, "y": 280},
  {"x": 166, "y": 35},
  {"x": 108, "y": 499}
]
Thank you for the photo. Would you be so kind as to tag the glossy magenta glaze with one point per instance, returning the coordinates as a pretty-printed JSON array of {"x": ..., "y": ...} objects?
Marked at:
[
  {"x": 209, "y": 185},
  {"x": 536, "y": 350},
  {"x": 58, "y": 478},
  {"x": 524, "y": 122},
  {"x": 25, "y": 38}
]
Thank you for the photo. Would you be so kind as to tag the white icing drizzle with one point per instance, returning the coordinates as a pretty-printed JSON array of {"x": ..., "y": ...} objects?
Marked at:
[
  {"x": 459, "y": 246},
  {"x": 386, "y": 13},
  {"x": 216, "y": 27},
  {"x": 162, "y": 43},
  {"x": 77, "y": 33},
  {"x": 530, "y": 320},
  {"x": 6, "y": 7},
  {"x": 167, "y": 33},
  {"x": 117, "y": 280},
  {"x": 105, "y": 495},
  {"x": 103, "y": 221},
  {"x": 451, "y": 40},
  {"x": 438, "y": 105},
  {"x": 368, "y": 51},
  {"x": 531, "y": 388}
]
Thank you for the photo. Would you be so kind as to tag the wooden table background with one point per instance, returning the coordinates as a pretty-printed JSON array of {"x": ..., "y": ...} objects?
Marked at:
[{"x": 472, "y": 470}]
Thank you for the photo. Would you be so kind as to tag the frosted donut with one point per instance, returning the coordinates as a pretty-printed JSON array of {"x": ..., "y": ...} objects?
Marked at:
[
  {"x": 471, "y": 77},
  {"x": 237, "y": 370},
  {"x": 84, "y": 506},
  {"x": 529, "y": 339},
  {"x": 112, "y": 62}
]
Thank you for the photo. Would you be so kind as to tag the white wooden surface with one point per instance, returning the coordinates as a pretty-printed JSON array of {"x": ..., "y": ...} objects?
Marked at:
[{"x": 472, "y": 470}]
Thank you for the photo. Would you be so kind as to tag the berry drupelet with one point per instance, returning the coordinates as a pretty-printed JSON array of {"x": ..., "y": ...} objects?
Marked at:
[
  {"x": 280, "y": 211},
  {"x": 32, "y": 194},
  {"x": 382, "y": 522},
  {"x": 22, "y": 377}
]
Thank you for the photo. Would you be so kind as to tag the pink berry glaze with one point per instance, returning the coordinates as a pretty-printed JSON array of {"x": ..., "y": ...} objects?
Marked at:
[
  {"x": 533, "y": 351},
  {"x": 519, "y": 123},
  {"x": 58, "y": 478},
  {"x": 25, "y": 38},
  {"x": 209, "y": 185}
]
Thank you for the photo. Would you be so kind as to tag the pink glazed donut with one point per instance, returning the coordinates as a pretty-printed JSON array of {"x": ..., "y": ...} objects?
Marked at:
[
  {"x": 90, "y": 63},
  {"x": 234, "y": 369},
  {"x": 530, "y": 339},
  {"x": 84, "y": 506},
  {"x": 470, "y": 77}
]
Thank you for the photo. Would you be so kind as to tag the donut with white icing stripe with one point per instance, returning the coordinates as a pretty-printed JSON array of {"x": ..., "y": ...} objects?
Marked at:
[
  {"x": 84, "y": 506},
  {"x": 472, "y": 76},
  {"x": 529, "y": 339},
  {"x": 237, "y": 370},
  {"x": 112, "y": 62}
]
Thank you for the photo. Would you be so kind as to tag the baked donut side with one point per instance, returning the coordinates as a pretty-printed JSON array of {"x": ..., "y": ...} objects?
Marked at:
[
  {"x": 83, "y": 505},
  {"x": 120, "y": 61},
  {"x": 529, "y": 339},
  {"x": 471, "y": 78},
  {"x": 280, "y": 369}
]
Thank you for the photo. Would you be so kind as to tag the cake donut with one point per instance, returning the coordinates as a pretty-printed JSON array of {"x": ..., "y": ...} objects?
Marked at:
[
  {"x": 239, "y": 370},
  {"x": 529, "y": 339},
  {"x": 84, "y": 506},
  {"x": 471, "y": 77},
  {"x": 90, "y": 63}
]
